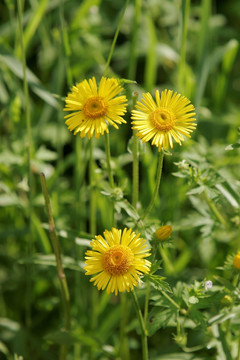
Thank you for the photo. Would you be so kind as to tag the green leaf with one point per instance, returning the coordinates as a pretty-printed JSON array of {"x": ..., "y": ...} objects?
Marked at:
[
  {"x": 159, "y": 282},
  {"x": 158, "y": 319}
]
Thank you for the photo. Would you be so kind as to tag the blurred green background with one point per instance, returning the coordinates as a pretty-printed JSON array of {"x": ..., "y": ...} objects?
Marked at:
[{"x": 188, "y": 46}]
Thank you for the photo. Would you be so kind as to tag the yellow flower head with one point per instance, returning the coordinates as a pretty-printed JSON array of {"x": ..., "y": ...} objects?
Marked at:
[
  {"x": 163, "y": 232},
  {"x": 236, "y": 261},
  {"x": 117, "y": 260},
  {"x": 163, "y": 120},
  {"x": 92, "y": 107}
]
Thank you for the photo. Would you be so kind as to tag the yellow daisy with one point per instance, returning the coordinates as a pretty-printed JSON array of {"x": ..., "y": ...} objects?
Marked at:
[
  {"x": 117, "y": 260},
  {"x": 163, "y": 120},
  {"x": 92, "y": 107}
]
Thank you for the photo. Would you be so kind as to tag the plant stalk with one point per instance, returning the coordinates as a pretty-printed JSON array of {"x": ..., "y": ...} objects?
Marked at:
[
  {"x": 115, "y": 39},
  {"x": 56, "y": 247},
  {"x": 142, "y": 326}
]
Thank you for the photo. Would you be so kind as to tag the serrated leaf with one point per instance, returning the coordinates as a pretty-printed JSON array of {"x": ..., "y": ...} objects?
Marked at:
[{"x": 159, "y": 283}]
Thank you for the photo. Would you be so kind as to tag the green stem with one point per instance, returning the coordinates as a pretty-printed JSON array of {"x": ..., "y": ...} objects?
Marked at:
[
  {"x": 133, "y": 49},
  {"x": 142, "y": 326},
  {"x": 115, "y": 38},
  {"x": 158, "y": 179},
  {"x": 29, "y": 159},
  {"x": 56, "y": 247},
  {"x": 135, "y": 178},
  {"x": 146, "y": 301},
  {"x": 170, "y": 299},
  {"x": 214, "y": 209}
]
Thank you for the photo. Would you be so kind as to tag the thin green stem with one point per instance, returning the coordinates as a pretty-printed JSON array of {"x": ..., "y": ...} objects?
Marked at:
[
  {"x": 135, "y": 174},
  {"x": 214, "y": 209},
  {"x": 115, "y": 39},
  {"x": 142, "y": 326},
  {"x": 56, "y": 248},
  {"x": 29, "y": 159},
  {"x": 170, "y": 299},
  {"x": 146, "y": 301},
  {"x": 133, "y": 49},
  {"x": 158, "y": 180}
]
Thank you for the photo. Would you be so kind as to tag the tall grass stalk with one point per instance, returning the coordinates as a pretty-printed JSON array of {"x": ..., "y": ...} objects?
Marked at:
[
  {"x": 185, "y": 9},
  {"x": 61, "y": 275},
  {"x": 115, "y": 38},
  {"x": 29, "y": 159}
]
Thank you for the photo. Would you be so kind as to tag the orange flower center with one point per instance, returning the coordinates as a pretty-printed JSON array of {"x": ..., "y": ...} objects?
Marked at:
[
  {"x": 95, "y": 107},
  {"x": 118, "y": 260},
  {"x": 163, "y": 119}
]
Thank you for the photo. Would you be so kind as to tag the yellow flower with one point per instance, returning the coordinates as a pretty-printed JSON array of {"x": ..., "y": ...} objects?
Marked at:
[
  {"x": 92, "y": 107},
  {"x": 163, "y": 232},
  {"x": 236, "y": 261},
  {"x": 117, "y": 260},
  {"x": 163, "y": 120}
]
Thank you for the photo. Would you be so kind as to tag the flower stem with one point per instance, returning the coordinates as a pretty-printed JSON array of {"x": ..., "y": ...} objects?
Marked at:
[
  {"x": 142, "y": 325},
  {"x": 158, "y": 179},
  {"x": 115, "y": 39},
  {"x": 146, "y": 301}
]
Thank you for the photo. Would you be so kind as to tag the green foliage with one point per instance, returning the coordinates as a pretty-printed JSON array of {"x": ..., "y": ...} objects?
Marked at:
[{"x": 190, "y": 47}]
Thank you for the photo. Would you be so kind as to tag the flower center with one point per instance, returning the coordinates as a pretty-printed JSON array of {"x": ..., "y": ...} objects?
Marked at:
[
  {"x": 163, "y": 119},
  {"x": 95, "y": 107},
  {"x": 117, "y": 260}
]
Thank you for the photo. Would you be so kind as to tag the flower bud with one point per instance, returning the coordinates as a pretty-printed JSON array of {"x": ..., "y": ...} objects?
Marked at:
[
  {"x": 226, "y": 300},
  {"x": 236, "y": 261},
  {"x": 163, "y": 232}
]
